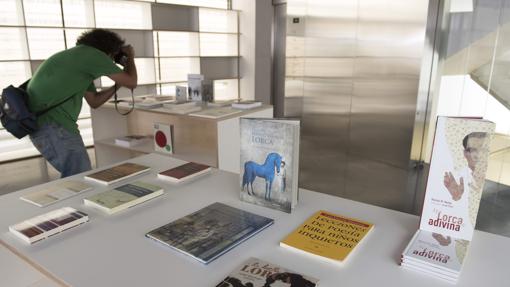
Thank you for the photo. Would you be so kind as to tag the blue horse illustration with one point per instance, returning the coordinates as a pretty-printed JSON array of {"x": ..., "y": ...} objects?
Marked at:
[{"x": 265, "y": 171}]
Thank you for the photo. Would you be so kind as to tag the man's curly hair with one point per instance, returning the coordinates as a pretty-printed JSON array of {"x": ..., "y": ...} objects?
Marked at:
[{"x": 107, "y": 41}]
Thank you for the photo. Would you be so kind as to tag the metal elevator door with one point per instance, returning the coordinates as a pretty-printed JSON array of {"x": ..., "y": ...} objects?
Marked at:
[{"x": 350, "y": 70}]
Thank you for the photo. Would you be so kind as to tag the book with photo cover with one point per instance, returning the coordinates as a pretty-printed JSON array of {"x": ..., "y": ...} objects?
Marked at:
[
  {"x": 184, "y": 172},
  {"x": 123, "y": 197},
  {"x": 269, "y": 162},
  {"x": 56, "y": 192},
  {"x": 48, "y": 224},
  {"x": 327, "y": 236},
  {"x": 260, "y": 273},
  {"x": 210, "y": 232},
  {"x": 456, "y": 177},
  {"x": 131, "y": 140},
  {"x": 117, "y": 173}
]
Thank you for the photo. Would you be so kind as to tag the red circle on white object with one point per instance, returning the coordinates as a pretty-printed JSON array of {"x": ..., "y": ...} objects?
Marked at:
[{"x": 160, "y": 139}]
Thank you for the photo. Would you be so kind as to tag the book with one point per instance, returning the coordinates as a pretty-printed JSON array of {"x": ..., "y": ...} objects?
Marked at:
[
  {"x": 215, "y": 113},
  {"x": 181, "y": 107},
  {"x": 123, "y": 197},
  {"x": 327, "y": 236},
  {"x": 117, "y": 173},
  {"x": 130, "y": 140},
  {"x": 454, "y": 187},
  {"x": 184, "y": 172},
  {"x": 56, "y": 192},
  {"x": 270, "y": 162},
  {"x": 220, "y": 103},
  {"x": 456, "y": 176},
  {"x": 48, "y": 224},
  {"x": 163, "y": 142},
  {"x": 210, "y": 232},
  {"x": 246, "y": 105},
  {"x": 260, "y": 273},
  {"x": 435, "y": 254}
]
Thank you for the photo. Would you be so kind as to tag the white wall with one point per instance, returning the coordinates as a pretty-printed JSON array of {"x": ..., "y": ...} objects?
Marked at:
[{"x": 255, "y": 22}]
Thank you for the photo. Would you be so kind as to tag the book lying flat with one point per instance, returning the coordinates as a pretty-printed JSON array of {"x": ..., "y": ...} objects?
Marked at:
[
  {"x": 131, "y": 140},
  {"x": 117, "y": 173},
  {"x": 215, "y": 113},
  {"x": 327, "y": 236},
  {"x": 260, "y": 273},
  {"x": 184, "y": 172},
  {"x": 210, "y": 232},
  {"x": 123, "y": 197},
  {"x": 56, "y": 192},
  {"x": 48, "y": 224},
  {"x": 435, "y": 254},
  {"x": 246, "y": 105}
]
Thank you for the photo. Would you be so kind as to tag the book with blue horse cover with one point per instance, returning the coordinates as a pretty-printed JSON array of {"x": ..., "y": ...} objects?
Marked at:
[{"x": 270, "y": 162}]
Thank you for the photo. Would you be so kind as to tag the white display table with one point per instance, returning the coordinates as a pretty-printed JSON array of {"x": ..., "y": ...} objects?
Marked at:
[{"x": 112, "y": 250}]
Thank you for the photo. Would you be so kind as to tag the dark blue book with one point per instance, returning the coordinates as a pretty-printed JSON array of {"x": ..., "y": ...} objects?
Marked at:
[{"x": 210, "y": 232}]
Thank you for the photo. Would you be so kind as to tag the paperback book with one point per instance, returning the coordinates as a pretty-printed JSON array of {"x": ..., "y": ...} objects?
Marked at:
[
  {"x": 457, "y": 176},
  {"x": 48, "y": 224},
  {"x": 56, "y": 192},
  {"x": 210, "y": 232},
  {"x": 452, "y": 197},
  {"x": 327, "y": 236},
  {"x": 270, "y": 162},
  {"x": 246, "y": 105},
  {"x": 258, "y": 273},
  {"x": 184, "y": 172},
  {"x": 123, "y": 197},
  {"x": 131, "y": 140},
  {"x": 117, "y": 173},
  {"x": 182, "y": 107},
  {"x": 215, "y": 113}
]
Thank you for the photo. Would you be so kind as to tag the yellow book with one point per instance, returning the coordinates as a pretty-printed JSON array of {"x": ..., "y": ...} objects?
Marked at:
[{"x": 327, "y": 235}]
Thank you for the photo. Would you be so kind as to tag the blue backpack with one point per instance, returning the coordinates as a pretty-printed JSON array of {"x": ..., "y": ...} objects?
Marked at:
[{"x": 15, "y": 115}]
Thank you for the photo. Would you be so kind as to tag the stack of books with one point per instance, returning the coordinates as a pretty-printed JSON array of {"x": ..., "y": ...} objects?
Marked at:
[
  {"x": 436, "y": 255},
  {"x": 56, "y": 192},
  {"x": 454, "y": 188},
  {"x": 181, "y": 108},
  {"x": 131, "y": 140},
  {"x": 48, "y": 224}
]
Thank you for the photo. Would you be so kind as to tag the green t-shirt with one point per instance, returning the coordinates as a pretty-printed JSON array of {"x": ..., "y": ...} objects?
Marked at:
[{"x": 66, "y": 73}]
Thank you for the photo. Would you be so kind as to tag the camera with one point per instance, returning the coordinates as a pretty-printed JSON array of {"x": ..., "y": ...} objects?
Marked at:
[{"x": 121, "y": 58}]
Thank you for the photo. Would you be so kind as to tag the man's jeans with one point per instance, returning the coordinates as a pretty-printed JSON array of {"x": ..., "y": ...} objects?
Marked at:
[{"x": 64, "y": 150}]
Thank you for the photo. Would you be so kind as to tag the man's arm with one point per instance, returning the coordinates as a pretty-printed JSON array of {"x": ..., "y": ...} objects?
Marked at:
[
  {"x": 129, "y": 77},
  {"x": 96, "y": 99}
]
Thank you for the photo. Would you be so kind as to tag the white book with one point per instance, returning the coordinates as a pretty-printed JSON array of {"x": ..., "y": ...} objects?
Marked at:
[
  {"x": 55, "y": 193},
  {"x": 123, "y": 197},
  {"x": 131, "y": 140},
  {"x": 215, "y": 113},
  {"x": 438, "y": 276},
  {"x": 246, "y": 105},
  {"x": 439, "y": 251}
]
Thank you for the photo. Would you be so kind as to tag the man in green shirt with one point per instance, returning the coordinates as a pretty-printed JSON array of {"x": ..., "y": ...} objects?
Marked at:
[{"x": 68, "y": 77}]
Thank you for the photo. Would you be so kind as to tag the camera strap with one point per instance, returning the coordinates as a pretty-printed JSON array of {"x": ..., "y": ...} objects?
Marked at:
[{"x": 116, "y": 102}]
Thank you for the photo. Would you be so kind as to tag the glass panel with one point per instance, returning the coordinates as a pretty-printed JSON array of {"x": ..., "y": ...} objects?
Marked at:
[
  {"x": 226, "y": 89},
  {"x": 43, "y": 13},
  {"x": 72, "y": 35},
  {"x": 14, "y": 73},
  {"x": 177, "y": 44},
  {"x": 217, "y": 21},
  {"x": 218, "y": 45},
  {"x": 78, "y": 13},
  {"x": 169, "y": 89},
  {"x": 12, "y": 13},
  {"x": 13, "y": 44},
  {"x": 204, "y": 3},
  {"x": 123, "y": 14},
  {"x": 44, "y": 42},
  {"x": 177, "y": 69}
]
